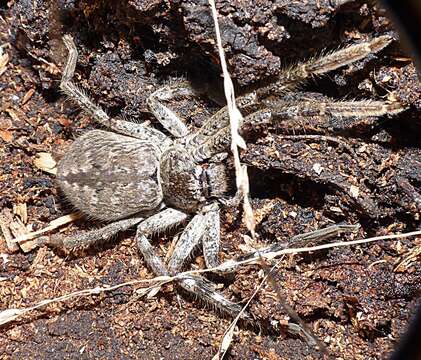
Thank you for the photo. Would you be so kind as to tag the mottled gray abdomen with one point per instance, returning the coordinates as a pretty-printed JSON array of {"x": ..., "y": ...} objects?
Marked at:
[{"x": 110, "y": 176}]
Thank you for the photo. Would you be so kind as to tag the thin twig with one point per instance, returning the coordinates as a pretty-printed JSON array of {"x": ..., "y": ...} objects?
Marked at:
[{"x": 230, "y": 264}]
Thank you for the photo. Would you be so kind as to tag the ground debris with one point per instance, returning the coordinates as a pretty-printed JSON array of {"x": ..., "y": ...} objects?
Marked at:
[{"x": 358, "y": 301}]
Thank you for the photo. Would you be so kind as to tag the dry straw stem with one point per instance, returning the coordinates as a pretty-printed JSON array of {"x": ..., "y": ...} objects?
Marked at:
[
  {"x": 63, "y": 220},
  {"x": 236, "y": 120},
  {"x": 12, "y": 314},
  {"x": 270, "y": 256},
  {"x": 229, "y": 333}
]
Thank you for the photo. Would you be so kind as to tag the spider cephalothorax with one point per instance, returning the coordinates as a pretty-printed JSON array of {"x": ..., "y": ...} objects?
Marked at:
[
  {"x": 181, "y": 180},
  {"x": 137, "y": 175}
]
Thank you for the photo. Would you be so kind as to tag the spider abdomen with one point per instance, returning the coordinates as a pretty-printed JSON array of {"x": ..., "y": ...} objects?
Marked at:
[{"x": 109, "y": 176}]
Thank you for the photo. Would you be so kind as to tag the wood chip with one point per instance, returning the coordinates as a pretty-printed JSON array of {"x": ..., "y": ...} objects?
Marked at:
[
  {"x": 27, "y": 96},
  {"x": 5, "y": 123},
  {"x": 18, "y": 229},
  {"x": 13, "y": 115},
  {"x": 6, "y": 135},
  {"x": 21, "y": 211},
  {"x": 6, "y": 219},
  {"x": 4, "y": 59},
  {"x": 317, "y": 168},
  {"x": 14, "y": 227},
  {"x": 15, "y": 231},
  {"x": 45, "y": 162},
  {"x": 29, "y": 245},
  {"x": 354, "y": 191}
]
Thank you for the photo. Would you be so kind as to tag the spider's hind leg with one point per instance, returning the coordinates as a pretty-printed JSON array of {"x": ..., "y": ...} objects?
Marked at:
[
  {"x": 324, "y": 114},
  {"x": 139, "y": 131},
  {"x": 90, "y": 238}
]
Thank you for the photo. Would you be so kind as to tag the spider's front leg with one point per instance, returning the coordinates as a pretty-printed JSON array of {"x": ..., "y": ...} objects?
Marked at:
[
  {"x": 291, "y": 77},
  {"x": 156, "y": 223},
  {"x": 288, "y": 80},
  {"x": 325, "y": 113},
  {"x": 201, "y": 229}
]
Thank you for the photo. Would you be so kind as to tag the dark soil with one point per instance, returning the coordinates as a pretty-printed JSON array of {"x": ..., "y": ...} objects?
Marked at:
[{"x": 357, "y": 300}]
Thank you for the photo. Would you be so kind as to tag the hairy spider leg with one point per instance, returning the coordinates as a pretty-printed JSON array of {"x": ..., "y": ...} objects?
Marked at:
[
  {"x": 139, "y": 131},
  {"x": 221, "y": 140},
  {"x": 270, "y": 252},
  {"x": 256, "y": 101},
  {"x": 167, "y": 117},
  {"x": 191, "y": 237},
  {"x": 90, "y": 238},
  {"x": 203, "y": 229},
  {"x": 291, "y": 77},
  {"x": 246, "y": 103},
  {"x": 329, "y": 113}
]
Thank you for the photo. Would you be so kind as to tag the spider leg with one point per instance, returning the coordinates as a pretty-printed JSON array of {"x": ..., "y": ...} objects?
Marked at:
[
  {"x": 287, "y": 81},
  {"x": 221, "y": 140},
  {"x": 247, "y": 103},
  {"x": 330, "y": 114},
  {"x": 212, "y": 237},
  {"x": 293, "y": 76},
  {"x": 195, "y": 285},
  {"x": 311, "y": 238},
  {"x": 167, "y": 117},
  {"x": 67, "y": 85},
  {"x": 203, "y": 229},
  {"x": 156, "y": 223},
  {"x": 188, "y": 241},
  {"x": 90, "y": 238},
  {"x": 205, "y": 291},
  {"x": 325, "y": 114}
]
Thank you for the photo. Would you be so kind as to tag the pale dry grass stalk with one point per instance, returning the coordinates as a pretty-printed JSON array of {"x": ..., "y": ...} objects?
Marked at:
[
  {"x": 236, "y": 121},
  {"x": 54, "y": 224},
  {"x": 11, "y": 314},
  {"x": 229, "y": 333},
  {"x": 241, "y": 176},
  {"x": 270, "y": 256}
]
